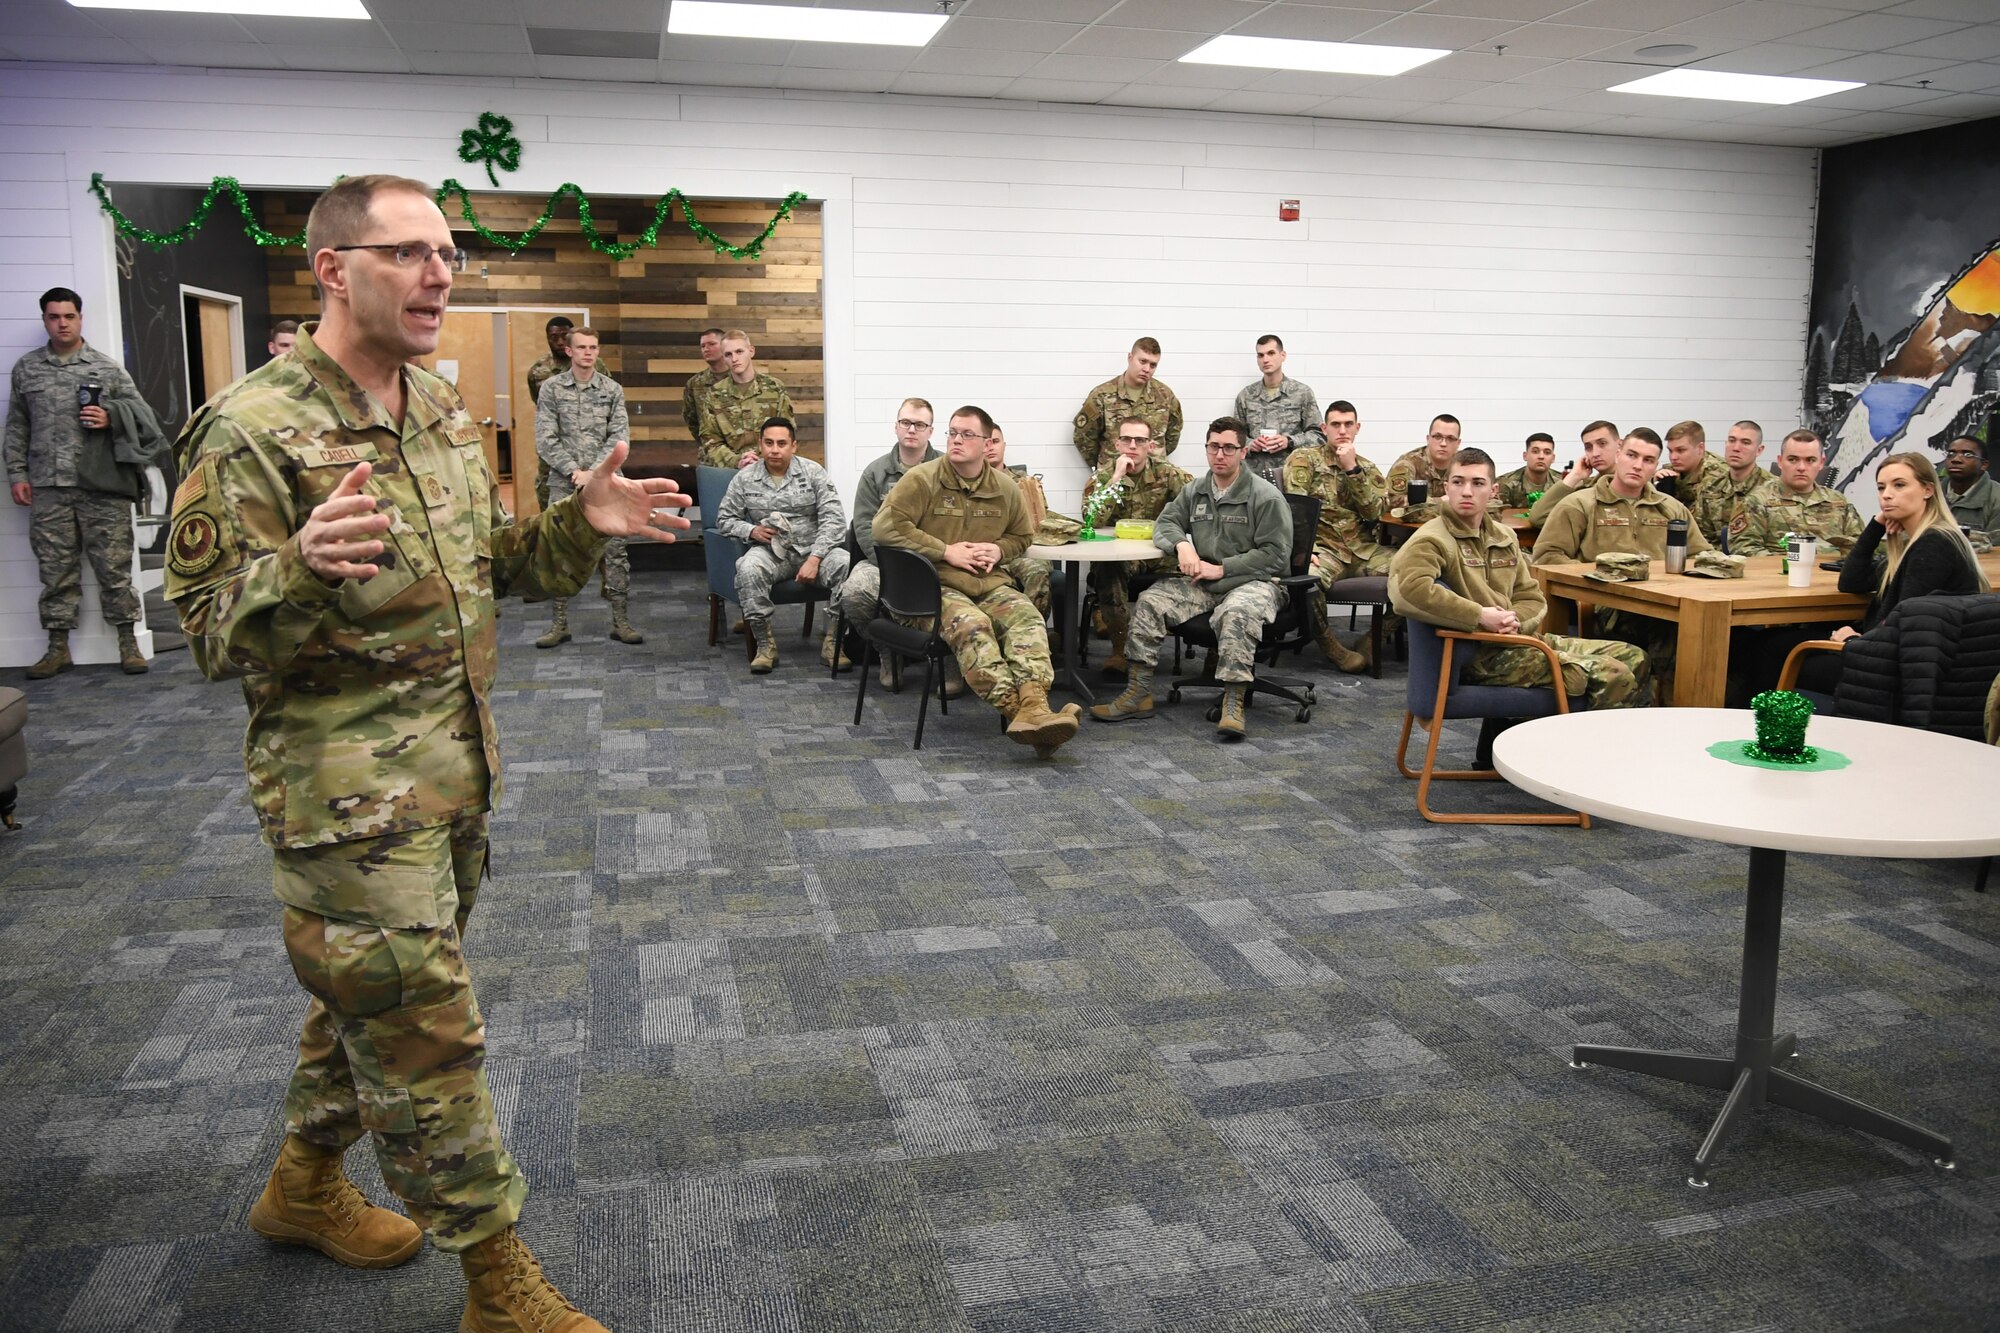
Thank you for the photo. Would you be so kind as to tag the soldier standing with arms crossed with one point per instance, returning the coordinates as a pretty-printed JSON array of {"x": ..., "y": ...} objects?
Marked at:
[{"x": 337, "y": 543}]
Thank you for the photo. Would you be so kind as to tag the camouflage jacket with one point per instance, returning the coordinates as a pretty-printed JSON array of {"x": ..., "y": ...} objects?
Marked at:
[
  {"x": 368, "y": 700},
  {"x": 697, "y": 384},
  {"x": 1598, "y": 521},
  {"x": 1479, "y": 568},
  {"x": 1146, "y": 492},
  {"x": 806, "y": 497},
  {"x": 1247, "y": 529},
  {"x": 44, "y": 433},
  {"x": 1759, "y": 482},
  {"x": 877, "y": 480},
  {"x": 1513, "y": 489},
  {"x": 576, "y": 425},
  {"x": 1413, "y": 466},
  {"x": 1109, "y": 403},
  {"x": 1346, "y": 500},
  {"x": 1709, "y": 495},
  {"x": 1759, "y": 527},
  {"x": 542, "y": 372},
  {"x": 731, "y": 417},
  {"x": 1291, "y": 410},
  {"x": 932, "y": 507}
]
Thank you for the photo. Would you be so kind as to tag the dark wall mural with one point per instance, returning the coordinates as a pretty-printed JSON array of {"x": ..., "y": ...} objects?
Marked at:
[
  {"x": 218, "y": 257},
  {"x": 1903, "y": 352}
]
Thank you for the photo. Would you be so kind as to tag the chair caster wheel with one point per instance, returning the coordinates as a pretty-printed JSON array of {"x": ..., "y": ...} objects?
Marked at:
[
  {"x": 1945, "y": 1164},
  {"x": 1697, "y": 1182},
  {"x": 1173, "y": 696},
  {"x": 1303, "y": 715},
  {"x": 1576, "y": 1064}
]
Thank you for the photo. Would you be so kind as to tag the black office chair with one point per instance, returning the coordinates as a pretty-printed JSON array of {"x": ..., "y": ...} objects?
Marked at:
[
  {"x": 1297, "y": 624},
  {"x": 910, "y": 591}
]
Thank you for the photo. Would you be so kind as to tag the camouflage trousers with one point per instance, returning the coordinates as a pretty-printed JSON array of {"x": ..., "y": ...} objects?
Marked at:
[
  {"x": 1238, "y": 617},
  {"x": 542, "y": 482},
  {"x": 861, "y": 593},
  {"x": 1000, "y": 640},
  {"x": 1114, "y": 599},
  {"x": 394, "y": 1043},
  {"x": 758, "y": 570},
  {"x": 1615, "y": 674},
  {"x": 1031, "y": 576},
  {"x": 1330, "y": 567},
  {"x": 66, "y": 526},
  {"x": 1659, "y": 638}
]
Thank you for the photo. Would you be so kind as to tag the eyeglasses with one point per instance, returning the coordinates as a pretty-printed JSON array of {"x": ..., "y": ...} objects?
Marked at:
[
  {"x": 907, "y": 424},
  {"x": 1135, "y": 439},
  {"x": 417, "y": 253},
  {"x": 1218, "y": 447},
  {"x": 965, "y": 435},
  {"x": 1436, "y": 438},
  {"x": 1961, "y": 453}
]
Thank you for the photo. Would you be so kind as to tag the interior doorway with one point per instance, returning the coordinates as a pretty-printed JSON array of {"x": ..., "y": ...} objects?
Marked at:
[{"x": 212, "y": 341}]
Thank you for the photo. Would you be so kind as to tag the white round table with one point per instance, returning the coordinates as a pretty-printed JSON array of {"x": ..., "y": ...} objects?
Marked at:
[
  {"x": 1074, "y": 556},
  {"x": 1905, "y": 793}
]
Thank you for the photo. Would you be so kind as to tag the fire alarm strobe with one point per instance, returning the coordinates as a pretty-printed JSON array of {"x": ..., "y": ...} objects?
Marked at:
[{"x": 1288, "y": 210}]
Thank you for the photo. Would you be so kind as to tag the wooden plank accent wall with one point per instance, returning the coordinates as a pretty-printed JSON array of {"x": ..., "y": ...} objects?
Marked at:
[{"x": 649, "y": 309}]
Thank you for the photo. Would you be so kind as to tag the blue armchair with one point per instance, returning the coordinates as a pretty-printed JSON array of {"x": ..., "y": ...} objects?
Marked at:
[{"x": 721, "y": 553}]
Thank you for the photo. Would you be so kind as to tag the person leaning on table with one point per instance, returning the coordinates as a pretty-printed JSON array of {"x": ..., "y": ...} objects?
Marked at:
[{"x": 1913, "y": 549}]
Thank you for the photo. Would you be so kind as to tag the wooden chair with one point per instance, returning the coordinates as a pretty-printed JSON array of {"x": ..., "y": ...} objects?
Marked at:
[{"x": 1435, "y": 694}]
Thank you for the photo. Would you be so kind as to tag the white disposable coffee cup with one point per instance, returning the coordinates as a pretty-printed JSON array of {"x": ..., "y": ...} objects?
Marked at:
[{"x": 1806, "y": 551}]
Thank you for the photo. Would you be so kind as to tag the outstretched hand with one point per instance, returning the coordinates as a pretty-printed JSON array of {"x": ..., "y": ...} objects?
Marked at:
[
  {"x": 337, "y": 541},
  {"x": 627, "y": 507}
]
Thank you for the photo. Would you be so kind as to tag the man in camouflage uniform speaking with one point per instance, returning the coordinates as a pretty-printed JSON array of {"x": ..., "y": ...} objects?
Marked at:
[
  {"x": 1135, "y": 393},
  {"x": 579, "y": 418},
  {"x": 46, "y": 420},
  {"x": 337, "y": 543}
]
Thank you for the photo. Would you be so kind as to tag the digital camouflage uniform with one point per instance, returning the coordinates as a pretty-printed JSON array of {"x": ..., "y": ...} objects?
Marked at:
[
  {"x": 1416, "y": 465},
  {"x": 1709, "y": 495},
  {"x": 1247, "y": 529},
  {"x": 995, "y": 632},
  {"x": 817, "y": 526},
  {"x": 1822, "y": 513},
  {"x": 1482, "y": 567},
  {"x": 68, "y": 523},
  {"x": 1513, "y": 489},
  {"x": 697, "y": 384},
  {"x": 575, "y": 427},
  {"x": 538, "y": 375},
  {"x": 861, "y": 593},
  {"x": 1096, "y": 427},
  {"x": 1289, "y": 409},
  {"x": 732, "y": 417},
  {"x": 371, "y": 748},
  {"x": 1596, "y": 521},
  {"x": 1145, "y": 493}
]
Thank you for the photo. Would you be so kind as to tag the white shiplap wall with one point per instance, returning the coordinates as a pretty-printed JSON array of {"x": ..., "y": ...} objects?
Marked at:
[{"x": 1007, "y": 254}]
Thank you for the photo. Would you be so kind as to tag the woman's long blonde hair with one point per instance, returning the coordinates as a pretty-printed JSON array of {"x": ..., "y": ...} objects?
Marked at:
[{"x": 1937, "y": 514}]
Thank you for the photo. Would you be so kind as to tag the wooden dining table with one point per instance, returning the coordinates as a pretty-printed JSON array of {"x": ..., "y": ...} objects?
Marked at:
[{"x": 1707, "y": 609}]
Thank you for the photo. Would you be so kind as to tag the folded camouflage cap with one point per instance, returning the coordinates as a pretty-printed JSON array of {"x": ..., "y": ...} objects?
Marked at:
[
  {"x": 1619, "y": 567},
  {"x": 1716, "y": 565}
]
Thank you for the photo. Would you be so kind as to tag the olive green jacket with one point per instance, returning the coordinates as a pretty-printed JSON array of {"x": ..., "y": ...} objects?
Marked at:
[{"x": 933, "y": 507}]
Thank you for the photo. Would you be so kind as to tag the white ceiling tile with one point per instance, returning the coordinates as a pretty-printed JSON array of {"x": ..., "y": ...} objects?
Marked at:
[
  {"x": 1207, "y": 16},
  {"x": 492, "y": 64},
  {"x": 836, "y": 80},
  {"x": 1597, "y": 74},
  {"x": 1363, "y": 108},
  {"x": 1309, "y": 23},
  {"x": 604, "y": 15},
  {"x": 468, "y": 37},
  {"x": 702, "y": 73},
  {"x": 1162, "y": 95},
  {"x": 1769, "y": 58},
  {"x": 1965, "y": 11},
  {"x": 318, "y": 55},
  {"x": 1066, "y": 11},
  {"x": 1057, "y": 90},
  {"x": 1878, "y": 68},
  {"x": 724, "y": 50},
  {"x": 951, "y": 85},
  {"x": 1480, "y": 67},
  {"x": 1117, "y": 70},
  {"x": 609, "y": 68},
  {"x": 106, "y": 50},
  {"x": 1324, "y": 85},
  {"x": 1559, "y": 41},
  {"x": 1636, "y": 104},
  {"x": 1875, "y": 32},
  {"x": 1436, "y": 30},
  {"x": 1005, "y": 34},
  {"x": 1971, "y": 77},
  {"x": 849, "y": 55},
  {"x": 1518, "y": 11},
  {"x": 1511, "y": 94},
  {"x": 313, "y": 32},
  {"x": 1144, "y": 43},
  {"x": 1453, "y": 113},
  {"x": 1962, "y": 106},
  {"x": 52, "y": 18},
  {"x": 1641, "y": 15},
  {"x": 1879, "y": 97},
  {"x": 1266, "y": 104},
  {"x": 1805, "y": 138},
  {"x": 1649, "y": 127},
  {"x": 1885, "y": 122},
  {"x": 1755, "y": 21},
  {"x": 1981, "y": 43},
  {"x": 1210, "y": 76},
  {"x": 1543, "y": 119},
  {"x": 979, "y": 64},
  {"x": 141, "y": 28},
  {"x": 218, "y": 55}
]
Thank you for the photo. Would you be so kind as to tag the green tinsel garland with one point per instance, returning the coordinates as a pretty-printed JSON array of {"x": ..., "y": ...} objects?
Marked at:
[{"x": 650, "y": 236}]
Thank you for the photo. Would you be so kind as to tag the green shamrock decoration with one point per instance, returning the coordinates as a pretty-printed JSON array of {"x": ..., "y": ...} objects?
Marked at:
[{"x": 492, "y": 143}]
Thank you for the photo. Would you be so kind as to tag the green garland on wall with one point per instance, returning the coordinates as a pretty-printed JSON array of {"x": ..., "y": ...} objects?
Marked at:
[{"x": 226, "y": 185}]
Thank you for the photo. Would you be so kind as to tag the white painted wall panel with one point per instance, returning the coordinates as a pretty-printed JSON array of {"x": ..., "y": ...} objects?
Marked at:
[{"x": 1007, "y": 254}]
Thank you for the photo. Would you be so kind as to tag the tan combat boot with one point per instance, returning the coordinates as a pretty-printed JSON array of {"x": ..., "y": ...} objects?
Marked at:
[
  {"x": 56, "y": 659},
  {"x": 559, "y": 630},
  {"x": 954, "y": 679},
  {"x": 1115, "y": 666},
  {"x": 889, "y": 672},
  {"x": 130, "y": 660},
  {"x": 621, "y": 626},
  {"x": 1135, "y": 702},
  {"x": 507, "y": 1292},
  {"x": 1033, "y": 724},
  {"x": 831, "y": 652},
  {"x": 767, "y": 645},
  {"x": 1345, "y": 659},
  {"x": 1229, "y": 725},
  {"x": 310, "y": 1201}
]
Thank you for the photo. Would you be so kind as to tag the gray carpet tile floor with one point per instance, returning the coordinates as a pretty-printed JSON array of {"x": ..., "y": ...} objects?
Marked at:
[{"x": 793, "y": 1028}]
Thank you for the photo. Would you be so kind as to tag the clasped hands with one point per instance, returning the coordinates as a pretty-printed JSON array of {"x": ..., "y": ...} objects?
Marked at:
[
  {"x": 972, "y": 557},
  {"x": 1196, "y": 568},
  {"x": 339, "y": 538},
  {"x": 1498, "y": 620}
]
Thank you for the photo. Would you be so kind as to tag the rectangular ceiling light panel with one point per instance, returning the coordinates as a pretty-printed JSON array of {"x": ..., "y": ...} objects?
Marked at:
[
  {"x": 1716, "y": 86},
  {"x": 263, "y": 9},
  {"x": 790, "y": 23},
  {"x": 1316, "y": 57}
]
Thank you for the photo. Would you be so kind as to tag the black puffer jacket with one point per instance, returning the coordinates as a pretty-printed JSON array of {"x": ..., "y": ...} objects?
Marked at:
[{"x": 1930, "y": 664}]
